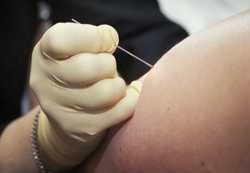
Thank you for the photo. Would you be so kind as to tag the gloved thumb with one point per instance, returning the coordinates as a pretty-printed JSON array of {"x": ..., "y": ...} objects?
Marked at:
[{"x": 124, "y": 108}]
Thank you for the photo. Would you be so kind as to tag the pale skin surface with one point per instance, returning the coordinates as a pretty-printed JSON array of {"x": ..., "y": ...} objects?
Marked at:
[
  {"x": 15, "y": 155},
  {"x": 192, "y": 116}
]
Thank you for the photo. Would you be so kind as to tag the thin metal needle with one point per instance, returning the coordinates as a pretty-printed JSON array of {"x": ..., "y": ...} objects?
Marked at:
[
  {"x": 134, "y": 56},
  {"x": 128, "y": 52},
  {"x": 73, "y": 20}
]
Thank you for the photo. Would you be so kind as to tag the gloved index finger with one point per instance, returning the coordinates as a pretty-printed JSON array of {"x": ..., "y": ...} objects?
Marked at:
[{"x": 66, "y": 39}]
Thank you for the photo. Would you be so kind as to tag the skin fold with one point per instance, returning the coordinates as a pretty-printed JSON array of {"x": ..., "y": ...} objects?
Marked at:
[{"x": 193, "y": 114}]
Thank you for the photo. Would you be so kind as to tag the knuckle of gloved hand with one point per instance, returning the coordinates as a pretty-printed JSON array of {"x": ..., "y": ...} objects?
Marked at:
[
  {"x": 110, "y": 92},
  {"x": 95, "y": 129},
  {"x": 86, "y": 129},
  {"x": 51, "y": 41},
  {"x": 36, "y": 86},
  {"x": 92, "y": 131},
  {"x": 110, "y": 38},
  {"x": 46, "y": 105},
  {"x": 34, "y": 80}
]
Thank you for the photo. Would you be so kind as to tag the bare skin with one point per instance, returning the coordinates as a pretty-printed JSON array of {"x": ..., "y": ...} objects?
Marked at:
[
  {"x": 15, "y": 146},
  {"x": 193, "y": 115}
]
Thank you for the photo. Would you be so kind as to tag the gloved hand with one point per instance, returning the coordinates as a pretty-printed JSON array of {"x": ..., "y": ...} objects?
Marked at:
[{"x": 74, "y": 78}]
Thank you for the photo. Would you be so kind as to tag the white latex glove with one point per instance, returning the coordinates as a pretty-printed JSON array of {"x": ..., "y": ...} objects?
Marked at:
[{"x": 74, "y": 77}]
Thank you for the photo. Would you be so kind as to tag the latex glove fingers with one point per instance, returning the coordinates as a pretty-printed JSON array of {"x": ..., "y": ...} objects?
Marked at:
[
  {"x": 66, "y": 39},
  {"x": 96, "y": 97},
  {"x": 81, "y": 70},
  {"x": 95, "y": 121}
]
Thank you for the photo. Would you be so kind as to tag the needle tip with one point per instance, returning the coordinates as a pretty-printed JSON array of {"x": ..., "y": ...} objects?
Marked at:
[{"x": 75, "y": 21}]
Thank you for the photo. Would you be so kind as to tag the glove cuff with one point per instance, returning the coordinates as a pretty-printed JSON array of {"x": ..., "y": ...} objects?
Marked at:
[{"x": 58, "y": 149}]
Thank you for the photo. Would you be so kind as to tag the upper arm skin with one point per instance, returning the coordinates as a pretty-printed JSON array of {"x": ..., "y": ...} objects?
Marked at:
[{"x": 193, "y": 115}]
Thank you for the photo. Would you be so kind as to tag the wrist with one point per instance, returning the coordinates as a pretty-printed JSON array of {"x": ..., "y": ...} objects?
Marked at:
[{"x": 58, "y": 149}]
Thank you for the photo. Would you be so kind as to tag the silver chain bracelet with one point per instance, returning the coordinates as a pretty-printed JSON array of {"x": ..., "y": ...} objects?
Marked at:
[{"x": 35, "y": 146}]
